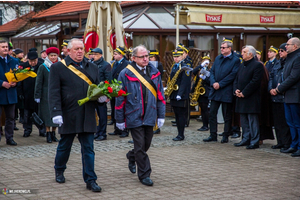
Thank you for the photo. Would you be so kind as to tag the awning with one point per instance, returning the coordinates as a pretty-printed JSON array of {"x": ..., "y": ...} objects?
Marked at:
[{"x": 220, "y": 15}]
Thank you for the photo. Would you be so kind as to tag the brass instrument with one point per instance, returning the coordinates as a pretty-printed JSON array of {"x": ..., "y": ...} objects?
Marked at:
[
  {"x": 171, "y": 86},
  {"x": 199, "y": 90}
]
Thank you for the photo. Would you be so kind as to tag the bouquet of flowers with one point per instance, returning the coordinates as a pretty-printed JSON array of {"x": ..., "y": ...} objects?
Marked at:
[
  {"x": 19, "y": 74},
  {"x": 104, "y": 88}
]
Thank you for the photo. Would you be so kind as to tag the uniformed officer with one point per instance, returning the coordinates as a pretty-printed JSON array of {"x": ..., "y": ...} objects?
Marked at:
[
  {"x": 186, "y": 59},
  {"x": 64, "y": 50},
  {"x": 272, "y": 53},
  {"x": 117, "y": 66},
  {"x": 179, "y": 99}
]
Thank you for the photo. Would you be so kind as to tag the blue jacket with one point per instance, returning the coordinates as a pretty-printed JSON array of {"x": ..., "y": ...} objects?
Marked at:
[
  {"x": 275, "y": 78},
  {"x": 131, "y": 109},
  {"x": 223, "y": 71},
  {"x": 7, "y": 96}
]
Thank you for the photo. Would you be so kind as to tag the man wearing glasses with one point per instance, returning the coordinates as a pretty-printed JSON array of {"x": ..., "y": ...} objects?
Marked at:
[
  {"x": 222, "y": 75},
  {"x": 290, "y": 87},
  {"x": 139, "y": 110}
]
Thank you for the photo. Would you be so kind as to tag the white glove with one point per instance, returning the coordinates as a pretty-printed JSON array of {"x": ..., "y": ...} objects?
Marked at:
[
  {"x": 121, "y": 126},
  {"x": 58, "y": 120},
  {"x": 203, "y": 77},
  {"x": 160, "y": 122},
  {"x": 178, "y": 97},
  {"x": 102, "y": 99},
  {"x": 37, "y": 100},
  {"x": 204, "y": 63}
]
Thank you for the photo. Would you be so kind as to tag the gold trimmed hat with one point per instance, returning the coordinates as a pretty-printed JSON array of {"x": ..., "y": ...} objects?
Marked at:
[
  {"x": 177, "y": 52},
  {"x": 65, "y": 43},
  {"x": 274, "y": 49},
  {"x": 120, "y": 50},
  {"x": 153, "y": 53},
  {"x": 181, "y": 46}
]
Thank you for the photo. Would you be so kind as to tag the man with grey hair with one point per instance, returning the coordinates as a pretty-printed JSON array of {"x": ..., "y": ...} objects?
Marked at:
[
  {"x": 248, "y": 102},
  {"x": 69, "y": 80},
  {"x": 222, "y": 75},
  {"x": 140, "y": 109}
]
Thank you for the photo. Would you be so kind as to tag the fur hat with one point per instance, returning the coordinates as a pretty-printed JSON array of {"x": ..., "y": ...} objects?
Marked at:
[{"x": 52, "y": 50}]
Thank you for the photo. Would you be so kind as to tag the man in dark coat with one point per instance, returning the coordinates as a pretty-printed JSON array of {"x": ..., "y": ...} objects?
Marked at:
[
  {"x": 104, "y": 74},
  {"x": 117, "y": 66},
  {"x": 222, "y": 75},
  {"x": 8, "y": 91},
  {"x": 290, "y": 86},
  {"x": 27, "y": 92},
  {"x": 248, "y": 102},
  {"x": 65, "y": 89},
  {"x": 282, "y": 130}
]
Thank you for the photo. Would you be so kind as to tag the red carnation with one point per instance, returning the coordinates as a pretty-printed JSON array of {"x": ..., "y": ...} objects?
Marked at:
[
  {"x": 110, "y": 90},
  {"x": 106, "y": 82},
  {"x": 20, "y": 67},
  {"x": 28, "y": 68},
  {"x": 121, "y": 92}
]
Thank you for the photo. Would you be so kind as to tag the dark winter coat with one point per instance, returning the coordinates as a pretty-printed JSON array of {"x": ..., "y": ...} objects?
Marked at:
[
  {"x": 248, "y": 81},
  {"x": 275, "y": 78},
  {"x": 131, "y": 109},
  {"x": 223, "y": 71},
  {"x": 27, "y": 87},
  {"x": 116, "y": 70},
  {"x": 104, "y": 70},
  {"x": 290, "y": 85},
  {"x": 65, "y": 89},
  {"x": 7, "y": 96}
]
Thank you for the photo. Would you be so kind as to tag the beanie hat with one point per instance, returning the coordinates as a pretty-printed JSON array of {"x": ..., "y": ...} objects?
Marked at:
[
  {"x": 52, "y": 50},
  {"x": 282, "y": 46},
  {"x": 32, "y": 55}
]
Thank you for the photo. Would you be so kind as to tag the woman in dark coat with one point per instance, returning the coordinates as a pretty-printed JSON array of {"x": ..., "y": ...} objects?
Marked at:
[{"x": 41, "y": 92}]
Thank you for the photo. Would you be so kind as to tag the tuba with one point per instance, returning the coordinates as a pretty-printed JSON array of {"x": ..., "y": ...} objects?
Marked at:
[{"x": 171, "y": 86}]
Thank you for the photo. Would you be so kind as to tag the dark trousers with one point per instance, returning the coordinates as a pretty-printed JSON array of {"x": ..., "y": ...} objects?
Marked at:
[
  {"x": 227, "y": 115},
  {"x": 27, "y": 122},
  {"x": 142, "y": 137},
  {"x": 87, "y": 154},
  {"x": 282, "y": 130},
  {"x": 204, "y": 113},
  {"x": 292, "y": 116},
  {"x": 250, "y": 127},
  {"x": 9, "y": 120},
  {"x": 180, "y": 116},
  {"x": 102, "y": 114}
]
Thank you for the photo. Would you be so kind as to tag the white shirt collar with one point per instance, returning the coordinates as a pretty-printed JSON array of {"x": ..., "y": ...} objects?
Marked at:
[{"x": 141, "y": 68}]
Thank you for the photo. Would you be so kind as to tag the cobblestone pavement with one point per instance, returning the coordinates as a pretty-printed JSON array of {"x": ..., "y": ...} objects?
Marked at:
[{"x": 189, "y": 169}]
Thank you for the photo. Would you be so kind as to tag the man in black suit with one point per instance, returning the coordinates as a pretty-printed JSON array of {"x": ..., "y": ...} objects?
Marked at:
[
  {"x": 247, "y": 90},
  {"x": 117, "y": 66},
  {"x": 290, "y": 86}
]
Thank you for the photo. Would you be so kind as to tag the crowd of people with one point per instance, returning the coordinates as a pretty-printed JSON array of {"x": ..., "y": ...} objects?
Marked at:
[{"x": 252, "y": 95}]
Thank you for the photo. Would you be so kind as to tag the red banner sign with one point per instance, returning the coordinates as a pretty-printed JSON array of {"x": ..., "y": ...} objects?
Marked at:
[
  {"x": 267, "y": 19},
  {"x": 213, "y": 18}
]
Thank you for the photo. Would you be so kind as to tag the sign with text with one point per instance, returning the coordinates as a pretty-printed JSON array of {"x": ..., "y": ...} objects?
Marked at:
[
  {"x": 213, "y": 18},
  {"x": 267, "y": 19}
]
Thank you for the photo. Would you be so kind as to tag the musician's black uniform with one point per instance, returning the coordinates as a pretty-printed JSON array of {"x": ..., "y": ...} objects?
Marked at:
[{"x": 180, "y": 107}]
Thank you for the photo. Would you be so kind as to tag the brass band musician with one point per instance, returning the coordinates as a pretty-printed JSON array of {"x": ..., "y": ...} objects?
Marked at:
[
  {"x": 180, "y": 82},
  {"x": 202, "y": 72}
]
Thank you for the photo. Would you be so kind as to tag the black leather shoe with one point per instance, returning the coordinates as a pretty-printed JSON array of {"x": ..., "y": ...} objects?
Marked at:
[
  {"x": 48, "y": 137},
  {"x": 242, "y": 143},
  {"x": 96, "y": 136},
  {"x": 147, "y": 181},
  {"x": 174, "y": 122},
  {"x": 93, "y": 186},
  {"x": 178, "y": 138},
  {"x": 289, "y": 150},
  {"x": 114, "y": 133},
  {"x": 100, "y": 138},
  {"x": 156, "y": 131},
  {"x": 11, "y": 142},
  {"x": 130, "y": 141},
  {"x": 54, "y": 139},
  {"x": 203, "y": 128},
  {"x": 220, "y": 134},
  {"x": 277, "y": 146},
  {"x": 296, "y": 154},
  {"x": 124, "y": 134},
  {"x": 224, "y": 139},
  {"x": 132, "y": 167},
  {"x": 26, "y": 134},
  {"x": 59, "y": 177},
  {"x": 16, "y": 128},
  {"x": 236, "y": 135},
  {"x": 210, "y": 139},
  {"x": 252, "y": 146},
  {"x": 110, "y": 123},
  {"x": 42, "y": 134}
]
